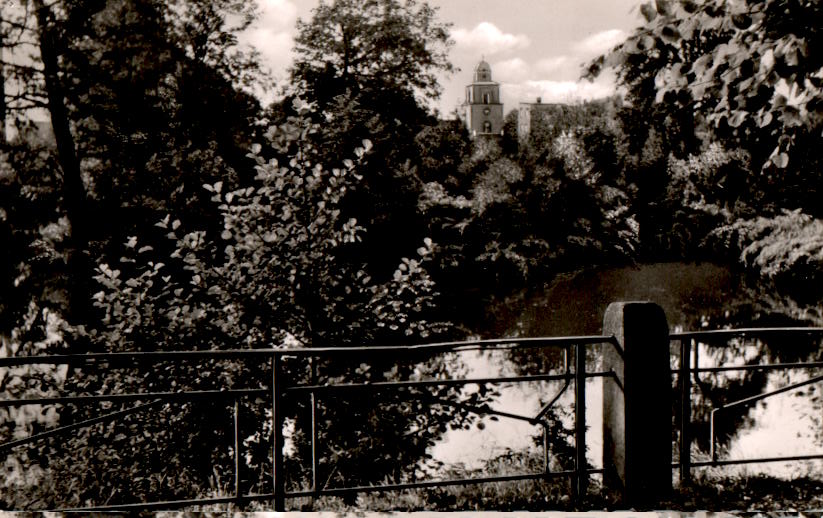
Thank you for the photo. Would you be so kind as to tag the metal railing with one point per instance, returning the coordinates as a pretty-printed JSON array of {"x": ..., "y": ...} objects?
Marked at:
[
  {"x": 572, "y": 373},
  {"x": 689, "y": 368}
]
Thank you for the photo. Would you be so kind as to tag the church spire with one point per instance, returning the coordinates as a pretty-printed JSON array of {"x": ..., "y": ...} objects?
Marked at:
[{"x": 483, "y": 109}]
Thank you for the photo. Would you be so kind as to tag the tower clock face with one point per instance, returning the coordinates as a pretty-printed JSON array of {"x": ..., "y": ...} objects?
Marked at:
[{"x": 486, "y": 111}]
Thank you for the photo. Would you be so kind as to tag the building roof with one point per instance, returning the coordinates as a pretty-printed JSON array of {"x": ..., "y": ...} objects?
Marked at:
[{"x": 482, "y": 72}]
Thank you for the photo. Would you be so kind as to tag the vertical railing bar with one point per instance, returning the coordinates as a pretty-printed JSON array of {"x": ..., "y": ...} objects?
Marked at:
[
  {"x": 278, "y": 483},
  {"x": 685, "y": 412},
  {"x": 581, "y": 474},
  {"x": 712, "y": 439},
  {"x": 545, "y": 448},
  {"x": 315, "y": 465},
  {"x": 236, "y": 417}
]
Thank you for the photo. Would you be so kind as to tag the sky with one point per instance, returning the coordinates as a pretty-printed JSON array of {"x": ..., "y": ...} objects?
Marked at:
[{"x": 535, "y": 47}]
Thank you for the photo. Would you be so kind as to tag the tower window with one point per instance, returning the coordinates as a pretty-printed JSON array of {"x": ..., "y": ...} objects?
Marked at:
[
  {"x": 486, "y": 98},
  {"x": 487, "y": 127}
]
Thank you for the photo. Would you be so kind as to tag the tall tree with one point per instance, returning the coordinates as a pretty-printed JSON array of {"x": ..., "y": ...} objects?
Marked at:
[
  {"x": 365, "y": 46},
  {"x": 124, "y": 83},
  {"x": 372, "y": 68}
]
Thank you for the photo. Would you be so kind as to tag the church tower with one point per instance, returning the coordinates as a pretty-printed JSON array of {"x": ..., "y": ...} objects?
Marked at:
[{"x": 483, "y": 111}]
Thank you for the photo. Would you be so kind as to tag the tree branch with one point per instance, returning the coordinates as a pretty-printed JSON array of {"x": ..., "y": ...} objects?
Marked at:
[{"x": 20, "y": 67}]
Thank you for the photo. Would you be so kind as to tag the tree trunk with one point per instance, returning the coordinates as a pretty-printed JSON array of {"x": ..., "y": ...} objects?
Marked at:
[{"x": 74, "y": 193}]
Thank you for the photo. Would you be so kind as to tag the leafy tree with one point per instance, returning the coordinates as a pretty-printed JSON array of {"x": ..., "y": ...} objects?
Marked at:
[
  {"x": 129, "y": 129},
  {"x": 276, "y": 271},
  {"x": 442, "y": 148},
  {"x": 363, "y": 47},
  {"x": 747, "y": 70},
  {"x": 371, "y": 68}
]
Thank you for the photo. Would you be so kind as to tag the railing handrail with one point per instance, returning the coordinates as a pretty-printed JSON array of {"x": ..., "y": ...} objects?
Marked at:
[
  {"x": 455, "y": 346},
  {"x": 744, "y": 332}
]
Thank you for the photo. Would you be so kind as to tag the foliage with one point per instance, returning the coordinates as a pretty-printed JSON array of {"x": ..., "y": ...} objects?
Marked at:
[
  {"x": 746, "y": 67},
  {"x": 703, "y": 192},
  {"x": 393, "y": 45},
  {"x": 442, "y": 149},
  {"x": 276, "y": 272},
  {"x": 786, "y": 249},
  {"x": 371, "y": 69}
]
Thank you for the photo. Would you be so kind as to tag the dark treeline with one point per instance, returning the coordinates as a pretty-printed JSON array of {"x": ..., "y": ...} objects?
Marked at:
[{"x": 167, "y": 209}]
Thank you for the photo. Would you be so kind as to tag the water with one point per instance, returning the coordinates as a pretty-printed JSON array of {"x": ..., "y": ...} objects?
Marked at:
[{"x": 694, "y": 296}]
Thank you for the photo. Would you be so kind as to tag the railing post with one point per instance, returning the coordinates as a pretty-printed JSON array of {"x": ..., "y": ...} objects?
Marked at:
[
  {"x": 277, "y": 416},
  {"x": 236, "y": 421},
  {"x": 637, "y": 403},
  {"x": 685, "y": 412},
  {"x": 581, "y": 466}
]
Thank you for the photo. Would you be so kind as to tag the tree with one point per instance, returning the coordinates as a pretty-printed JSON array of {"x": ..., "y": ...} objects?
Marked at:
[
  {"x": 127, "y": 115},
  {"x": 372, "y": 45},
  {"x": 276, "y": 271},
  {"x": 747, "y": 69},
  {"x": 371, "y": 68}
]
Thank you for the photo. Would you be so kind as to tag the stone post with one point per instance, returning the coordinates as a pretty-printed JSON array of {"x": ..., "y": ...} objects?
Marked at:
[{"x": 637, "y": 403}]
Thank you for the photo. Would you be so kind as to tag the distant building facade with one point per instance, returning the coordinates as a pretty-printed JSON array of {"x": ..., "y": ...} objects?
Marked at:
[
  {"x": 529, "y": 112},
  {"x": 482, "y": 109}
]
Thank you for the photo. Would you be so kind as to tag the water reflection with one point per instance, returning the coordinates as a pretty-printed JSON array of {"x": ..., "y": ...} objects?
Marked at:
[{"x": 694, "y": 296}]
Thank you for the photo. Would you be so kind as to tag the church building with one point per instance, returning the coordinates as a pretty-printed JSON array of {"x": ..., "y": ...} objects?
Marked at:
[{"x": 482, "y": 110}]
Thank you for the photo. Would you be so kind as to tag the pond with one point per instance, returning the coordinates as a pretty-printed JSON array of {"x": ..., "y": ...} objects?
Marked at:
[{"x": 693, "y": 296}]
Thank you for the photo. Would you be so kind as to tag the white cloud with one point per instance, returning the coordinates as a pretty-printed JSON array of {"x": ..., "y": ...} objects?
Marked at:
[
  {"x": 272, "y": 33},
  {"x": 273, "y": 36},
  {"x": 488, "y": 39},
  {"x": 599, "y": 42},
  {"x": 517, "y": 70},
  {"x": 552, "y": 65},
  {"x": 274, "y": 47},
  {"x": 514, "y": 69},
  {"x": 277, "y": 15},
  {"x": 555, "y": 91}
]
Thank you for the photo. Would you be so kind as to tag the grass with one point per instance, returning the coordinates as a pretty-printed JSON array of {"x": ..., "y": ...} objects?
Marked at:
[{"x": 711, "y": 490}]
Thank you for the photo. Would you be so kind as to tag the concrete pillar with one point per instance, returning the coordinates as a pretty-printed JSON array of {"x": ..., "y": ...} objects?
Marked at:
[{"x": 637, "y": 403}]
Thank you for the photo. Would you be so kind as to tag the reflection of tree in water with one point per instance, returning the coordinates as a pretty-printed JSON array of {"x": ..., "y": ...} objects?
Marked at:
[
  {"x": 695, "y": 297},
  {"x": 721, "y": 388}
]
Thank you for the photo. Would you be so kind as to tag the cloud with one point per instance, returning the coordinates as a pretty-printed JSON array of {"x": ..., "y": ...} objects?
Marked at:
[
  {"x": 488, "y": 39},
  {"x": 599, "y": 42},
  {"x": 556, "y": 91},
  {"x": 553, "y": 64},
  {"x": 514, "y": 69},
  {"x": 277, "y": 15},
  {"x": 274, "y": 47},
  {"x": 272, "y": 33}
]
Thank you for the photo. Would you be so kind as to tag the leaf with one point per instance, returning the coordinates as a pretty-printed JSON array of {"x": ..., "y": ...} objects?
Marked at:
[
  {"x": 648, "y": 12},
  {"x": 670, "y": 34},
  {"x": 690, "y": 6},
  {"x": 781, "y": 160},
  {"x": 742, "y": 21},
  {"x": 663, "y": 7},
  {"x": 737, "y": 118}
]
